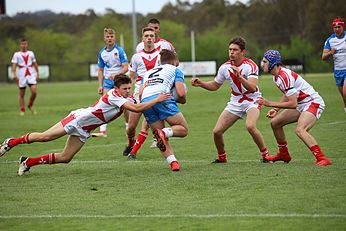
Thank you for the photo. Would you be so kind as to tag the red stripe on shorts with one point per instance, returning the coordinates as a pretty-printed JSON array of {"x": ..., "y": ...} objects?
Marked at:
[
  {"x": 67, "y": 119},
  {"x": 313, "y": 108}
]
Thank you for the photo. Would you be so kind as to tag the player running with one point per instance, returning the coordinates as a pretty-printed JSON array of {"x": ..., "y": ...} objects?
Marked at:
[{"x": 162, "y": 79}]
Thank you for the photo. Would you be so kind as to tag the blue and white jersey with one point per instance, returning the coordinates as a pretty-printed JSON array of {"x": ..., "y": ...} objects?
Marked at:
[
  {"x": 339, "y": 44},
  {"x": 161, "y": 79},
  {"x": 111, "y": 60}
]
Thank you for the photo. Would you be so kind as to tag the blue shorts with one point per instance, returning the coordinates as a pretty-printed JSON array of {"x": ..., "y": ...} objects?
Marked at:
[
  {"x": 340, "y": 77},
  {"x": 160, "y": 111},
  {"x": 108, "y": 84}
]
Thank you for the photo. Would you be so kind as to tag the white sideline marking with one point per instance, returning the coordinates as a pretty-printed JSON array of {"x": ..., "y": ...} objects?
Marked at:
[
  {"x": 280, "y": 215},
  {"x": 161, "y": 161}
]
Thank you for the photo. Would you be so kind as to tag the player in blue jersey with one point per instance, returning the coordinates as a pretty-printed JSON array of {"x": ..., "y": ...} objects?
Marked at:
[
  {"x": 335, "y": 46},
  {"x": 162, "y": 79},
  {"x": 112, "y": 61}
]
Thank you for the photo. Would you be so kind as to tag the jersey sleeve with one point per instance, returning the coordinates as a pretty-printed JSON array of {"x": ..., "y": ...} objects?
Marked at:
[
  {"x": 14, "y": 58},
  {"x": 327, "y": 45},
  {"x": 221, "y": 75},
  {"x": 122, "y": 56},
  {"x": 100, "y": 62},
  {"x": 179, "y": 76},
  {"x": 33, "y": 58},
  {"x": 133, "y": 64}
]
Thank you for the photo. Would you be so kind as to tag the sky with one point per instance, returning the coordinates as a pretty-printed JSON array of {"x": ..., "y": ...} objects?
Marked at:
[{"x": 80, "y": 6}]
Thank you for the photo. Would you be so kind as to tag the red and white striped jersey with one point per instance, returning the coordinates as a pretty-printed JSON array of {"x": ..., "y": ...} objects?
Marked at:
[
  {"x": 248, "y": 69},
  {"x": 291, "y": 83},
  {"x": 160, "y": 44},
  {"x": 107, "y": 108},
  {"x": 143, "y": 61},
  {"x": 24, "y": 61}
]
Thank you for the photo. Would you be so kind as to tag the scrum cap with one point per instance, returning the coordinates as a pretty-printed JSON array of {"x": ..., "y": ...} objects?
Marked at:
[
  {"x": 273, "y": 57},
  {"x": 338, "y": 22}
]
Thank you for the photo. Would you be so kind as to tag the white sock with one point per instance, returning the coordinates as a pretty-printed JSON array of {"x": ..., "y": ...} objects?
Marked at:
[
  {"x": 126, "y": 125},
  {"x": 168, "y": 132},
  {"x": 345, "y": 109},
  {"x": 171, "y": 158},
  {"x": 103, "y": 128}
]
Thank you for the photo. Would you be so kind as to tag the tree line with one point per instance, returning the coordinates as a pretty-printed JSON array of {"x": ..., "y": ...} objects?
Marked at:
[{"x": 298, "y": 28}]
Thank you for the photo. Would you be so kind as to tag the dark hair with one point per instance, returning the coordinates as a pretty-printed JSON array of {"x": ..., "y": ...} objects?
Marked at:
[
  {"x": 121, "y": 79},
  {"x": 23, "y": 40},
  {"x": 167, "y": 56},
  {"x": 241, "y": 42},
  {"x": 154, "y": 21},
  {"x": 147, "y": 29}
]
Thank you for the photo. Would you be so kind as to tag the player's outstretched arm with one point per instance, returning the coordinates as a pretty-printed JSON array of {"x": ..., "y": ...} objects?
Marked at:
[
  {"x": 144, "y": 106},
  {"x": 210, "y": 86}
]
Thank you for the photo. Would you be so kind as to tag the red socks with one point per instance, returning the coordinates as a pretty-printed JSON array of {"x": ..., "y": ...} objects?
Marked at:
[
  {"x": 283, "y": 146},
  {"x": 264, "y": 152},
  {"x": 21, "y": 140},
  {"x": 142, "y": 136},
  {"x": 46, "y": 159},
  {"x": 316, "y": 151},
  {"x": 222, "y": 156}
]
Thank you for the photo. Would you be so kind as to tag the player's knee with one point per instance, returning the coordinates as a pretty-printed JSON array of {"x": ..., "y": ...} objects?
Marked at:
[
  {"x": 251, "y": 128},
  {"x": 217, "y": 132},
  {"x": 65, "y": 159},
  {"x": 300, "y": 131}
]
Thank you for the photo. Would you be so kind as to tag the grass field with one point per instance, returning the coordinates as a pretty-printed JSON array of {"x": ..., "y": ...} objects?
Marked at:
[{"x": 101, "y": 190}]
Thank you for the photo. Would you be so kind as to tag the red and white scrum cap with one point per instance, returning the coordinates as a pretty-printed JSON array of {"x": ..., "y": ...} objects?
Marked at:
[{"x": 338, "y": 22}]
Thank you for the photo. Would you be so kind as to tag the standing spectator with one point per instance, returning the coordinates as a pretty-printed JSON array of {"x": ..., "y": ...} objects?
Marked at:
[
  {"x": 23, "y": 65},
  {"x": 335, "y": 46},
  {"x": 112, "y": 61},
  {"x": 301, "y": 104},
  {"x": 242, "y": 74}
]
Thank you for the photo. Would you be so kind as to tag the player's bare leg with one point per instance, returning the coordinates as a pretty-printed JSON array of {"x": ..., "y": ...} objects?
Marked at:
[
  {"x": 285, "y": 117},
  {"x": 163, "y": 144},
  {"x": 305, "y": 122},
  {"x": 251, "y": 121},
  {"x": 33, "y": 89},
  {"x": 225, "y": 121},
  {"x": 72, "y": 146},
  {"x": 21, "y": 101},
  {"x": 131, "y": 131}
]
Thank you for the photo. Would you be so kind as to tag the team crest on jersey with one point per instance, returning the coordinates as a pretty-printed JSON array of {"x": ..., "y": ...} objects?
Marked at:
[{"x": 116, "y": 54}]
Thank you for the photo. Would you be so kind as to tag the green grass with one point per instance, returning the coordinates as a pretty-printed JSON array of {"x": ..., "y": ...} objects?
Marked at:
[{"x": 101, "y": 190}]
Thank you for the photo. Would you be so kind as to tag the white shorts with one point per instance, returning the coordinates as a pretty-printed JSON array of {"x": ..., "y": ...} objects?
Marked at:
[
  {"x": 72, "y": 128},
  {"x": 23, "y": 82},
  {"x": 241, "y": 110},
  {"x": 316, "y": 107}
]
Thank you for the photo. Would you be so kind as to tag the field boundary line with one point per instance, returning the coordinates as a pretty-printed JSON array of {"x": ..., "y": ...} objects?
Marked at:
[
  {"x": 160, "y": 161},
  {"x": 273, "y": 215}
]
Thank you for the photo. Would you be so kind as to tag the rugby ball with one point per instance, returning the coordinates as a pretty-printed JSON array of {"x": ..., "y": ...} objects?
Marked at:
[{"x": 175, "y": 94}]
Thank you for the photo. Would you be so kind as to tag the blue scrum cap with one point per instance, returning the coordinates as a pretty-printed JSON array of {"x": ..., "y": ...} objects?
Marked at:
[{"x": 273, "y": 57}]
